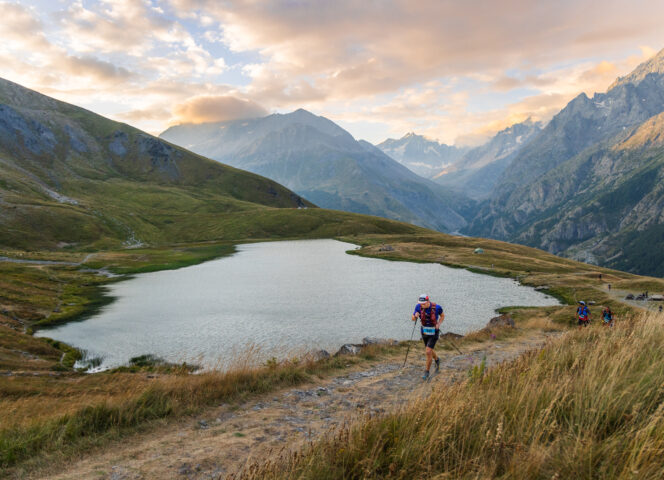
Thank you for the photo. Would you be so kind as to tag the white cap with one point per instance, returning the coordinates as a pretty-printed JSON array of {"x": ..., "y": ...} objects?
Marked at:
[{"x": 424, "y": 298}]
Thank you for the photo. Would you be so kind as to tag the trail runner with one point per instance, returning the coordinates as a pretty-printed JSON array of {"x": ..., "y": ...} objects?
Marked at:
[
  {"x": 583, "y": 314},
  {"x": 431, "y": 316},
  {"x": 607, "y": 316}
]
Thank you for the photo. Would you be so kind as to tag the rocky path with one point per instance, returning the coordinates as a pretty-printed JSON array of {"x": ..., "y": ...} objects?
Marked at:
[{"x": 225, "y": 438}]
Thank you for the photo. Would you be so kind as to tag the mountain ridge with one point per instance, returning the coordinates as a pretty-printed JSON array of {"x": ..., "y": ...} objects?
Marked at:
[
  {"x": 327, "y": 165},
  {"x": 588, "y": 185},
  {"x": 420, "y": 154},
  {"x": 478, "y": 170}
]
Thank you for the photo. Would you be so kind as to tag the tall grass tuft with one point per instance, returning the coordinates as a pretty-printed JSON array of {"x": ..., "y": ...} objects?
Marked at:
[{"x": 588, "y": 405}]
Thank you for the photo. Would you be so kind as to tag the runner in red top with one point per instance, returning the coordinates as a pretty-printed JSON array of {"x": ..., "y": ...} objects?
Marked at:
[{"x": 431, "y": 316}]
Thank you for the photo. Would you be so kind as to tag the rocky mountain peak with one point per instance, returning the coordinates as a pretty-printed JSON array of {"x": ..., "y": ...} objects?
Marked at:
[{"x": 654, "y": 65}]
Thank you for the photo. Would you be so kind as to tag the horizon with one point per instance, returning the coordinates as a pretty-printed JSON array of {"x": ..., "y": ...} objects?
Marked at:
[{"x": 455, "y": 74}]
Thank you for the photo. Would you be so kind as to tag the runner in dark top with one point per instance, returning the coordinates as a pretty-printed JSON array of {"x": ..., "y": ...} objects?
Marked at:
[{"x": 431, "y": 316}]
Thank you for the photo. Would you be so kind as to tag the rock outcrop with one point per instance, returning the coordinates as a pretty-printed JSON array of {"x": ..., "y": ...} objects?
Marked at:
[
  {"x": 349, "y": 349},
  {"x": 501, "y": 321}
]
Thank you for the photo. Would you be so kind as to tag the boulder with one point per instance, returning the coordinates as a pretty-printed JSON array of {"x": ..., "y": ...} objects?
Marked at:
[
  {"x": 386, "y": 248},
  {"x": 378, "y": 341},
  {"x": 318, "y": 355},
  {"x": 501, "y": 321},
  {"x": 629, "y": 296},
  {"x": 349, "y": 349}
]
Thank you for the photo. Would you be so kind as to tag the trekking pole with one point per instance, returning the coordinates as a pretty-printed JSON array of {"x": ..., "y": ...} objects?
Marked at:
[
  {"x": 411, "y": 341},
  {"x": 449, "y": 340}
]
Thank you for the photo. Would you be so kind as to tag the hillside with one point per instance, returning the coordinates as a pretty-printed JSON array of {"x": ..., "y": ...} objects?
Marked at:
[
  {"x": 322, "y": 162},
  {"x": 589, "y": 185},
  {"x": 423, "y": 156},
  {"x": 73, "y": 179}
]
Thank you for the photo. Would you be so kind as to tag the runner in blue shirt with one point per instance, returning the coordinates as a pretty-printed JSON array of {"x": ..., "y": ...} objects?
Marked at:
[
  {"x": 583, "y": 314},
  {"x": 431, "y": 316}
]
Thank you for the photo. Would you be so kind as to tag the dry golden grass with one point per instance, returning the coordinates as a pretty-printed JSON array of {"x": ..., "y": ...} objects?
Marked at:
[
  {"x": 589, "y": 405},
  {"x": 49, "y": 419}
]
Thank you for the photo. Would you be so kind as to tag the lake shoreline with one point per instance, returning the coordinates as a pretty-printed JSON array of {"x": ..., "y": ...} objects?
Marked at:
[{"x": 200, "y": 310}]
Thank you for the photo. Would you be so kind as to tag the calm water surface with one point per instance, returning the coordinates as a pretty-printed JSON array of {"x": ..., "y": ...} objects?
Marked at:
[{"x": 295, "y": 295}]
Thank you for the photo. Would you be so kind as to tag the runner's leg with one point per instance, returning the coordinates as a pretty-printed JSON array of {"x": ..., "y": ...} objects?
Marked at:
[{"x": 429, "y": 353}]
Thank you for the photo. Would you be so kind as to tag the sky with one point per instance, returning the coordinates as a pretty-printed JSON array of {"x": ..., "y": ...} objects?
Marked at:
[{"x": 453, "y": 70}]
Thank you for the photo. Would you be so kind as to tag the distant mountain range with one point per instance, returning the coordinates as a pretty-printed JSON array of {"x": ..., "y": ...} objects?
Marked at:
[
  {"x": 71, "y": 178},
  {"x": 476, "y": 172},
  {"x": 322, "y": 162},
  {"x": 423, "y": 156},
  {"x": 590, "y": 185}
]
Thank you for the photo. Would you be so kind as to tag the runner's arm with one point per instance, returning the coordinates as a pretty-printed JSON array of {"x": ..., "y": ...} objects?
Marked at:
[
  {"x": 416, "y": 313},
  {"x": 440, "y": 320}
]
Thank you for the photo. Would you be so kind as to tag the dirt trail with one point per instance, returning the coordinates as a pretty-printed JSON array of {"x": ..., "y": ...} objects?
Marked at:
[{"x": 223, "y": 439}]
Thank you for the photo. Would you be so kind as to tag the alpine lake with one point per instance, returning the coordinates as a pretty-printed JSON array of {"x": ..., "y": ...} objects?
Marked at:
[{"x": 281, "y": 299}]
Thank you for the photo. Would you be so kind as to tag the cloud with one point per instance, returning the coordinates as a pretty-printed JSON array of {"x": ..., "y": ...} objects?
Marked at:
[
  {"x": 20, "y": 25},
  {"x": 216, "y": 109},
  {"x": 347, "y": 49},
  {"x": 116, "y": 25},
  {"x": 446, "y": 69},
  {"x": 94, "y": 68},
  {"x": 154, "y": 112}
]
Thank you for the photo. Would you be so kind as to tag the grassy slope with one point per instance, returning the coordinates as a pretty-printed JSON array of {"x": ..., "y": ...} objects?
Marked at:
[
  {"x": 588, "y": 405},
  {"x": 69, "y": 175}
]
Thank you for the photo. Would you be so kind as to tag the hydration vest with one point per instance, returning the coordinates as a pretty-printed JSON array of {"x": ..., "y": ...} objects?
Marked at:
[
  {"x": 429, "y": 320},
  {"x": 583, "y": 312}
]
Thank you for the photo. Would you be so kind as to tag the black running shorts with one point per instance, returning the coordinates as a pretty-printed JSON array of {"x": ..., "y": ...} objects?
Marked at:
[{"x": 430, "y": 340}]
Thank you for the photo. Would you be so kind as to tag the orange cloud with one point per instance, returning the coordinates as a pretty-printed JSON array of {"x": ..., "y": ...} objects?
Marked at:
[
  {"x": 347, "y": 49},
  {"x": 216, "y": 109}
]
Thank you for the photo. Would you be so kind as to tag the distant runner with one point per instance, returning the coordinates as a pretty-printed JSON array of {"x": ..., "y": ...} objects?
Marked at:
[
  {"x": 584, "y": 314},
  {"x": 431, "y": 316},
  {"x": 607, "y": 316}
]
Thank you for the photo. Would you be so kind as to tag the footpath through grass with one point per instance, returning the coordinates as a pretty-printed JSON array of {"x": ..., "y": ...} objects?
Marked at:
[
  {"x": 589, "y": 405},
  {"x": 132, "y": 401}
]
